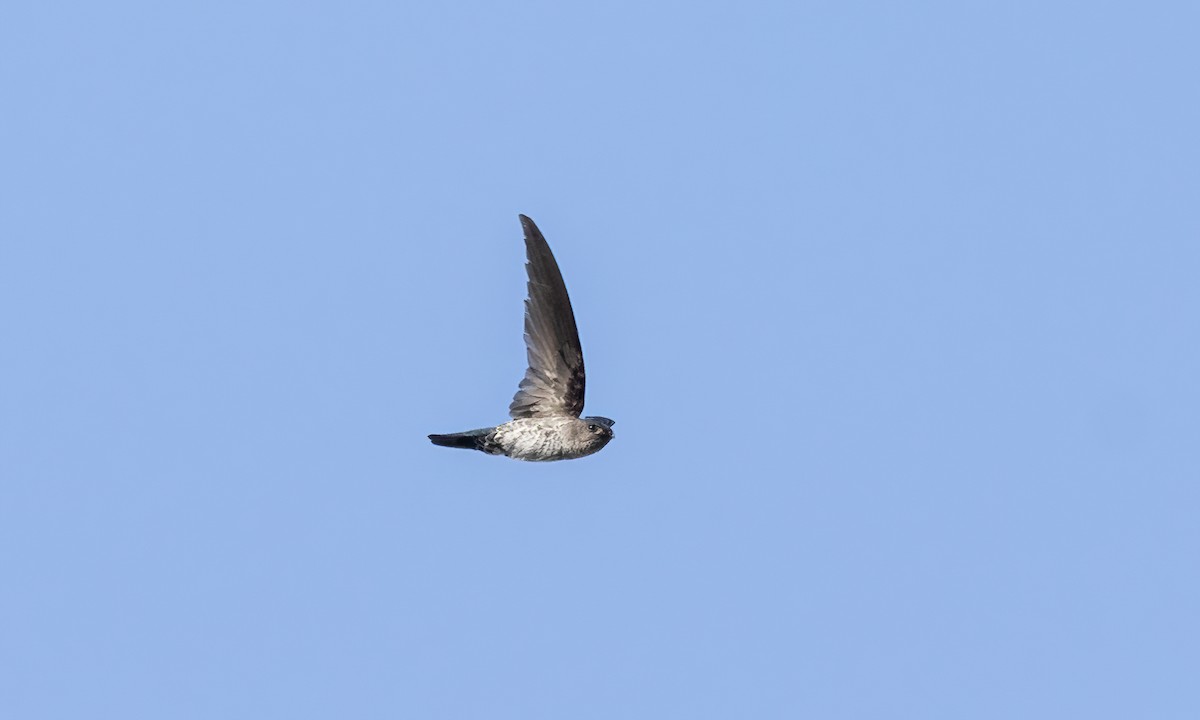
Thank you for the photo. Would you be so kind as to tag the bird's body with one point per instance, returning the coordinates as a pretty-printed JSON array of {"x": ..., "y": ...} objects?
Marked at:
[
  {"x": 546, "y": 409},
  {"x": 541, "y": 439}
]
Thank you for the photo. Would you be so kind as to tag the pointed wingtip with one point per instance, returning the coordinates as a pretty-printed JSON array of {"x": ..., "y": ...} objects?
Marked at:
[{"x": 530, "y": 228}]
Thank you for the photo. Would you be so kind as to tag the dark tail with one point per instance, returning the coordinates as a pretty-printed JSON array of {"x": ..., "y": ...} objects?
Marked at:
[{"x": 469, "y": 440}]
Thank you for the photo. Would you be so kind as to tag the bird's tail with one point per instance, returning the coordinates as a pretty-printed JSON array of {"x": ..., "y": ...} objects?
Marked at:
[{"x": 469, "y": 440}]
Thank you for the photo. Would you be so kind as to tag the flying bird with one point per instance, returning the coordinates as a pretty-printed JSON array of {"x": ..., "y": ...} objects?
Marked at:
[{"x": 546, "y": 410}]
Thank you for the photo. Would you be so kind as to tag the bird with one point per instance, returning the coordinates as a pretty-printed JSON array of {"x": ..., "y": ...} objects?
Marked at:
[{"x": 546, "y": 423}]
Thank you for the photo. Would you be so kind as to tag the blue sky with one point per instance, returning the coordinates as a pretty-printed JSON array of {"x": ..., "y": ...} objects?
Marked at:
[{"x": 895, "y": 306}]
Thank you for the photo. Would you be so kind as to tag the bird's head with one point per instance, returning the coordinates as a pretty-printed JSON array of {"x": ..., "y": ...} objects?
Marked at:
[{"x": 600, "y": 429}]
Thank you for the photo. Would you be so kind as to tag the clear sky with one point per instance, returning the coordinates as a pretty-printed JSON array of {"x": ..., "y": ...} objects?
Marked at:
[{"x": 895, "y": 304}]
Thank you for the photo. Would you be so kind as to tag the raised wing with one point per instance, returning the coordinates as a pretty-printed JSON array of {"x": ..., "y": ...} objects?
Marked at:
[{"x": 554, "y": 382}]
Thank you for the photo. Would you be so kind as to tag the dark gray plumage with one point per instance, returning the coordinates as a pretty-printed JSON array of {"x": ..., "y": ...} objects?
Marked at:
[
  {"x": 554, "y": 383},
  {"x": 546, "y": 408}
]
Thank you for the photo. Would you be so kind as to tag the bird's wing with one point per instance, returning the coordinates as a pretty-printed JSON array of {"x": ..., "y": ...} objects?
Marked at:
[{"x": 554, "y": 382}]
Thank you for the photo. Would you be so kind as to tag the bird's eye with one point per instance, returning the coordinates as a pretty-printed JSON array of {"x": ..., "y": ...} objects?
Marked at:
[{"x": 593, "y": 428}]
